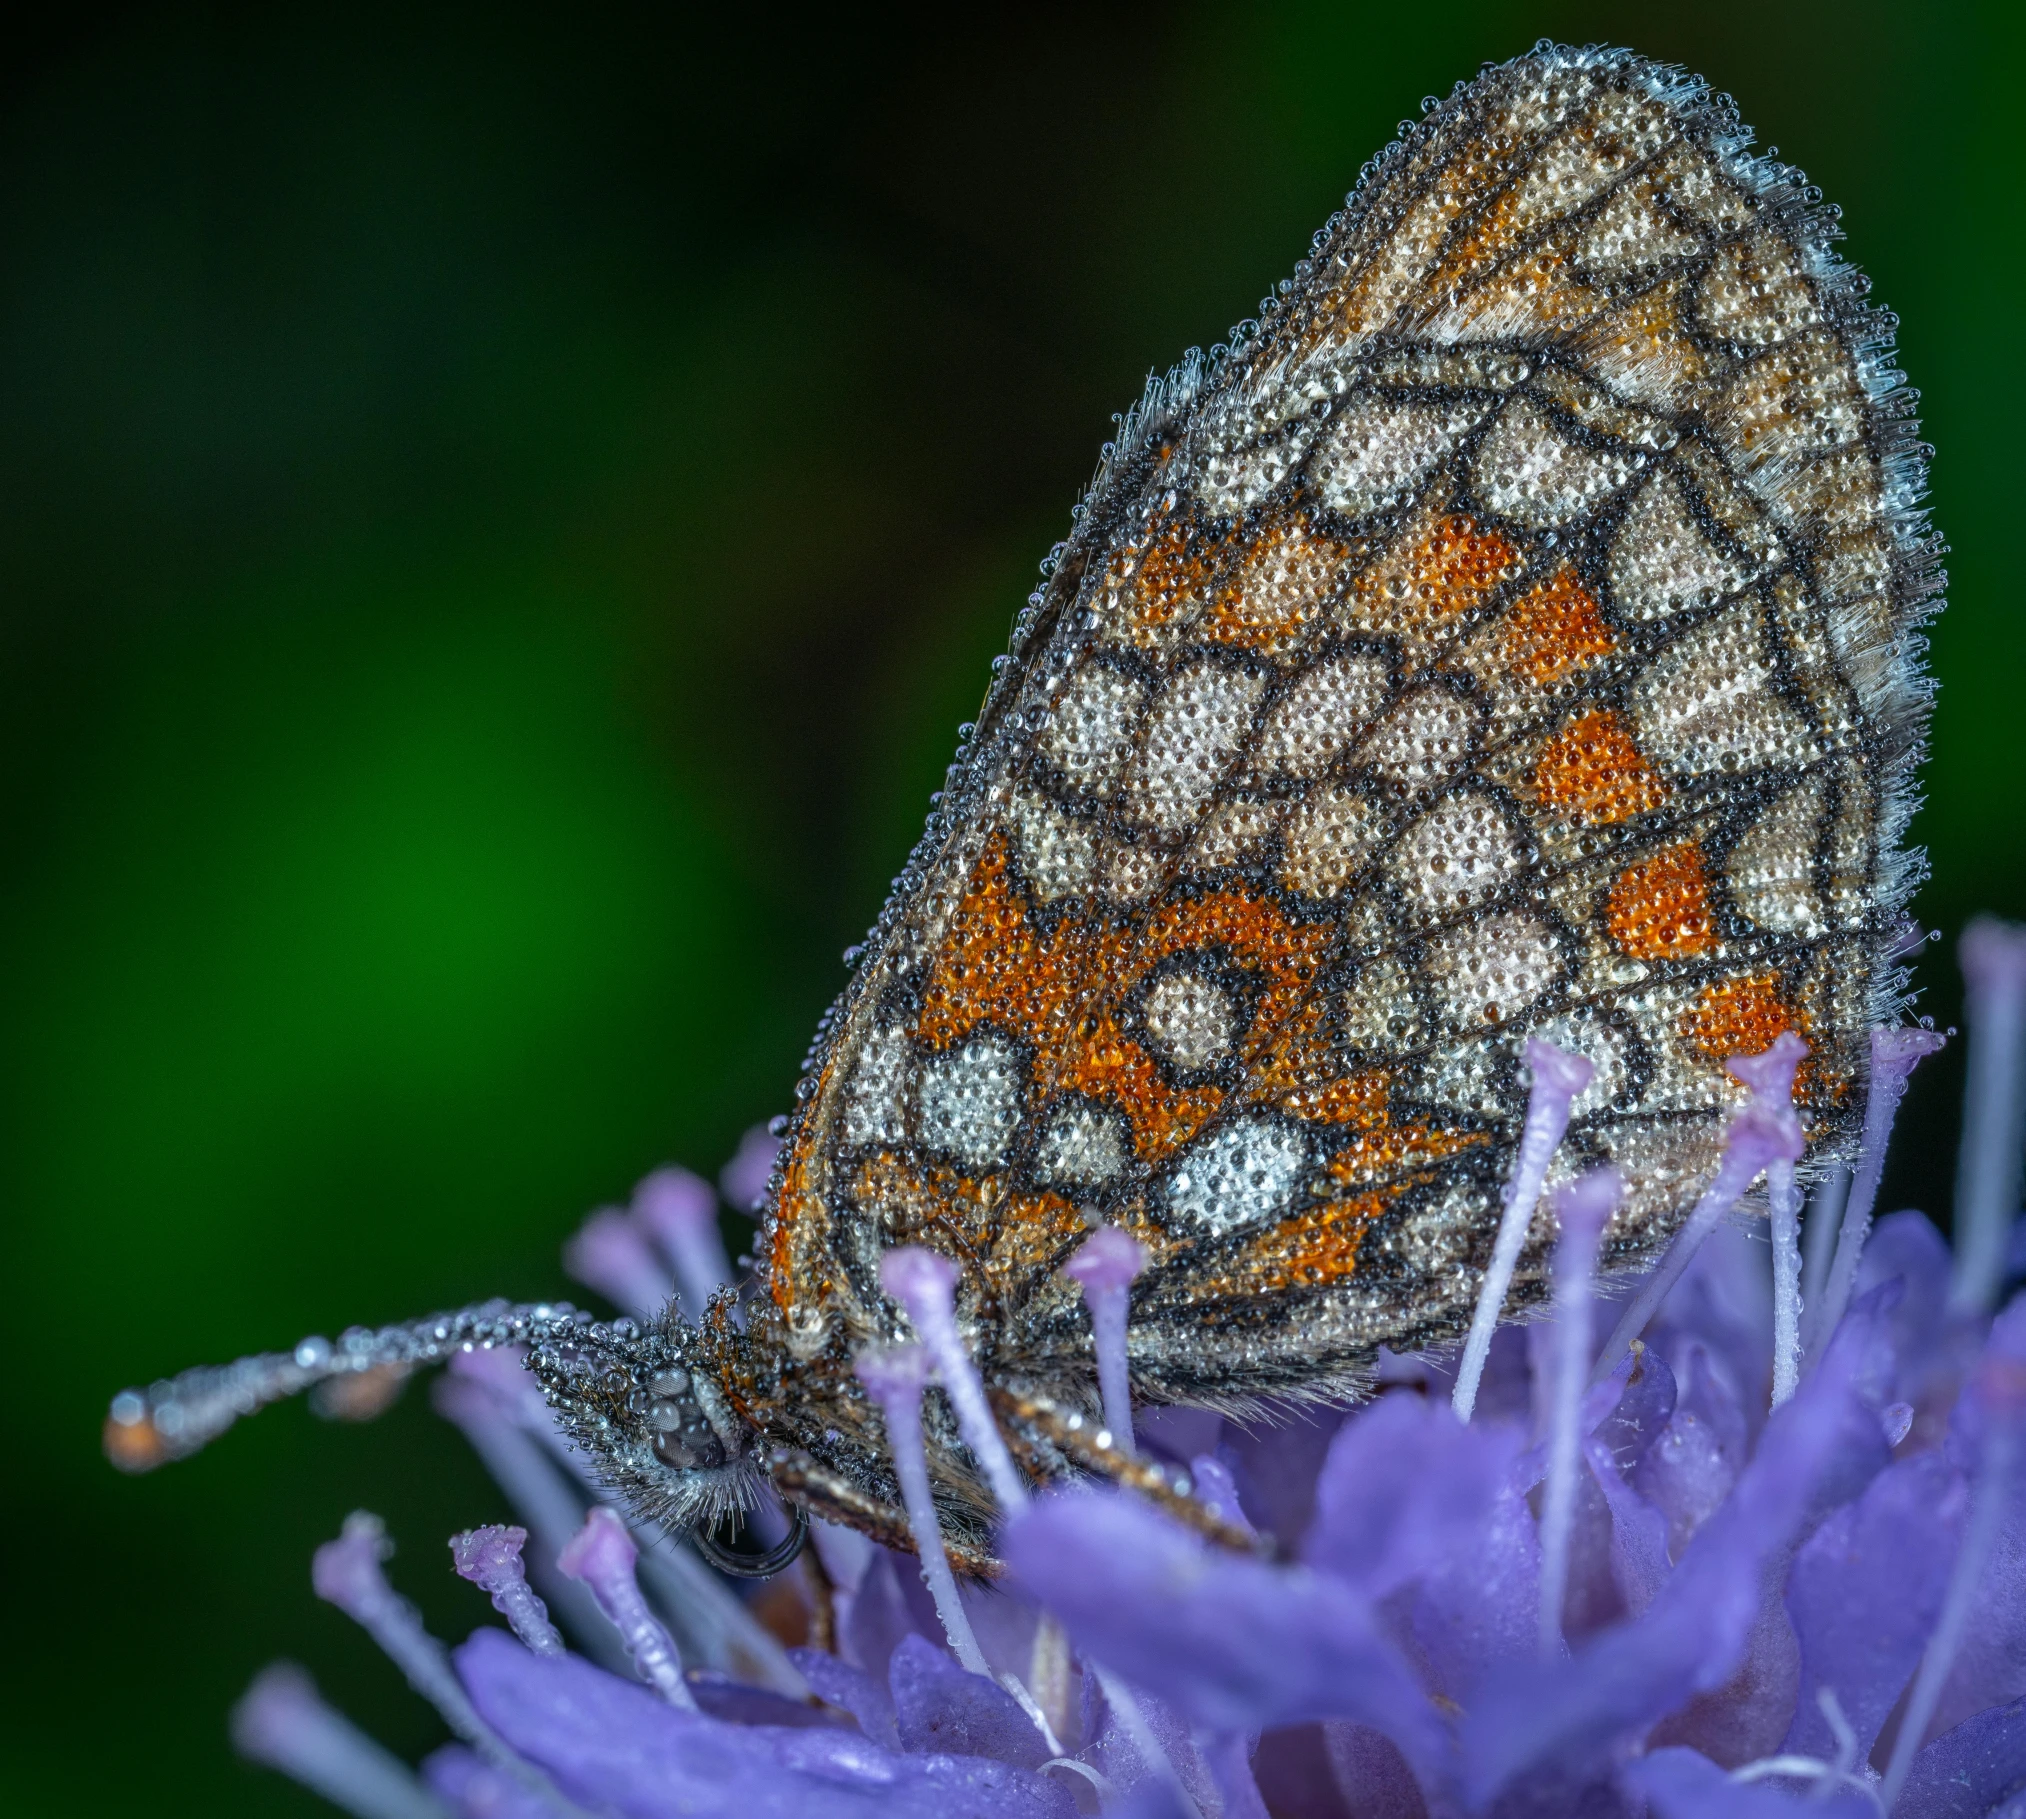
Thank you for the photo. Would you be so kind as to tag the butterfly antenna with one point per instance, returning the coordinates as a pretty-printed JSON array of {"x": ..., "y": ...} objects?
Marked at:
[{"x": 177, "y": 1416}]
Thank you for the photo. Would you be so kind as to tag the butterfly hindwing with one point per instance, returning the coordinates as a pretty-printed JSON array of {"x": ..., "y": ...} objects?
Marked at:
[{"x": 1513, "y": 633}]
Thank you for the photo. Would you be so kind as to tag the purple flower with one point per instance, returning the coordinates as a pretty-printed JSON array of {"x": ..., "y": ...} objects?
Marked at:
[{"x": 1731, "y": 1562}]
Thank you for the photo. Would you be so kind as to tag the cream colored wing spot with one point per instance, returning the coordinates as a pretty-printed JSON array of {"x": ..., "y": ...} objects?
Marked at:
[
  {"x": 1531, "y": 471},
  {"x": 967, "y": 1100},
  {"x": 1706, "y": 703},
  {"x": 874, "y": 1115},
  {"x": 1089, "y": 735},
  {"x": 1081, "y": 1147},
  {"x": 1459, "y": 853},
  {"x": 1425, "y": 740},
  {"x": 1058, "y": 852},
  {"x": 1195, "y": 732},
  {"x": 1661, "y": 560},
  {"x": 1488, "y": 971},
  {"x": 1190, "y": 1020},
  {"x": 1324, "y": 710},
  {"x": 1331, "y": 838},
  {"x": 1771, "y": 869},
  {"x": 1381, "y": 447},
  {"x": 1248, "y": 1172}
]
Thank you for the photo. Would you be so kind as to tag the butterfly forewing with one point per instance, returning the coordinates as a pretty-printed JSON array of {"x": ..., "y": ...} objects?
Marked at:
[{"x": 1512, "y": 634}]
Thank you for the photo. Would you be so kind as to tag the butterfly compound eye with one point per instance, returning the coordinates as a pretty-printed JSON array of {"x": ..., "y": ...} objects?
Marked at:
[{"x": 677, "y": 1429}]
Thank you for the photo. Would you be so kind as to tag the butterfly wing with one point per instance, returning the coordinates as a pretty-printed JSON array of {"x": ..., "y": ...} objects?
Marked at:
[{"x": 1514, "y": 633}]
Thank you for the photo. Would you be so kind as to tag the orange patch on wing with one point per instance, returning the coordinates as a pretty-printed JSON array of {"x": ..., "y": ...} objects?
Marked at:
[
  {"x": 1386, "y": 1154},
  {"x": 1659, "y": 906},
  {"x": 1444, "y": 574},
  {"x": 1358, "y": 1099},
  {"x": 1592, "y": 772},
  {"x": 1738, "y": 1016},
  {"x": 799, "y": 1222},
  {"x": 1553, "y": 628},
  {"x": 1314, "y": 1248},
  {"x": 1173, "y": 578},
  {"x": 1278, "y": 589}
]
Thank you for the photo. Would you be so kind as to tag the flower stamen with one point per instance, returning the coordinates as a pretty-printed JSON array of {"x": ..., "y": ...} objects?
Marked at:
[
  {"x": 1105, "y": 1266},
  {"x": 282, "y": 1720},
  {"x": 894, "y": 1379},
  {"x": 490, "y": 1558},
  {"x": 601, "y": 1556},
  {"x": 925, "y": 1285},
  {"x": 1559, "y": 1078},
  {"x": 1583, "y": 1209},
  {"x": 1764, "y": 1132},
  {"x": 1993, "y": 959}
]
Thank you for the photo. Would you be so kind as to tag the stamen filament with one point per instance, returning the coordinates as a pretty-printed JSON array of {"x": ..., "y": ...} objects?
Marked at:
[
  {"x": 1764, "y": 1132},
  {"x": 1993, "y": 958},
  {"x": 1895, "y": 1053},
  {"x": 1105, "y": 1266},
  {"x": 346, "y": 1572},
  {"x": 1783, "y": 1193},
  {"x": 1583, "y": 1208},
  {"x": 490, "y": 1558},
  {"x": 281, "y": 1720},
  {"x": 602, "y": 1557},
  {"x": 894, "y": 1380},
  {"x": 925, "y": 1285},
  {"x": 1140, "y": 1733},
  {"x": 1559, "y": 1078}
]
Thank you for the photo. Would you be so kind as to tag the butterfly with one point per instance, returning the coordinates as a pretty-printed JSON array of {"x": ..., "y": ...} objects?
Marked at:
[{"x": 1513, "y": 633}]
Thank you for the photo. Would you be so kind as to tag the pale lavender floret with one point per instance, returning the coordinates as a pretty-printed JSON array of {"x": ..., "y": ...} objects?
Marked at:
[
  {"x": 1967, "y": 1772},
  {"x": 894, "y": 1379},
  {"x": 939, "y": 1707},
  {"x": 1980, "y": 1577},
  {"x": 1684, "y": 1784},
  {"x": 602, "y": 1555},
  {"x": 1105, "y": 1265},
  {"x": 678, "y": 1211},
  {"x": 490, "y": 1558},
  {"x": 1559, "y": 1078},
  {"x": 1233, "y": 1643},
  {"x": 1763, "y": 1133},
  {"x": 1993, "y": 959},
  {"x": 743, "y": 1180},
  {"x": 1820, "y": 1448},
  {"x": 608, "y": 1253},
  {"x": 1581, "y": 1209},
  {"x": 282, "y": 1721},
  {"x": 346, "y": 1572},
  {"x": 1864, "y": 1594},
  {"x": 1895, "y": 1053},
  {"x": 925, "y": 1284},
  {"x": 615, "y": 1747},
  {"x": 850, "y": 1688}
]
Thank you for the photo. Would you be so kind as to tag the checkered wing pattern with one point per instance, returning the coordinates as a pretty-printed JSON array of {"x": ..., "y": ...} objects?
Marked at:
[{"x": 1513, "y": 633}]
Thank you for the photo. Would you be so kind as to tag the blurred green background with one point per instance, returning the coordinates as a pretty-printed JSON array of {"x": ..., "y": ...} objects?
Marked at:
[{"x": 502, "y": 513}]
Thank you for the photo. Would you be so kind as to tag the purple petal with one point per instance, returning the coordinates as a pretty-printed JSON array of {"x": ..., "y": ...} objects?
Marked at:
[
  {"x": 1864, "y": 1594},
  {"x": 940, "y": 1707},
  {"x": 1480, "y": 1604},
  {"x": 1965, "y": 1772},
  {"x": 1234, "y": 1644},
  {"x": 1292, "y": 1767},
  {"x": 1680, "y": 1784},
  {"x": 883, "y": 1611},
  {"x": 849, "y": 1689},
  {"x": 1276, "y": 1463},
  {"x": 1405, "y": 1486},
  {"x": 1638, "y": 1544},
  {"x": 1690, "y": 1468},
  {"x": 1821, "y": 1446},
  {"x": 1370, "y": 1772},
  {"x": 613, "y": 1745},
  {"x": 734, "y": 1702}
]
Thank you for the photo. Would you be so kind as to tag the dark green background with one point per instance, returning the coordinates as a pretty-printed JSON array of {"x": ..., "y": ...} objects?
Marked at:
[{"x": 502, "y": 513}]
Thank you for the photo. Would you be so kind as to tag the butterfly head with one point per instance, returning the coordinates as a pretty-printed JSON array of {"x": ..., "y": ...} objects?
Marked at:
[{"x": 643, "y": 1405}]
